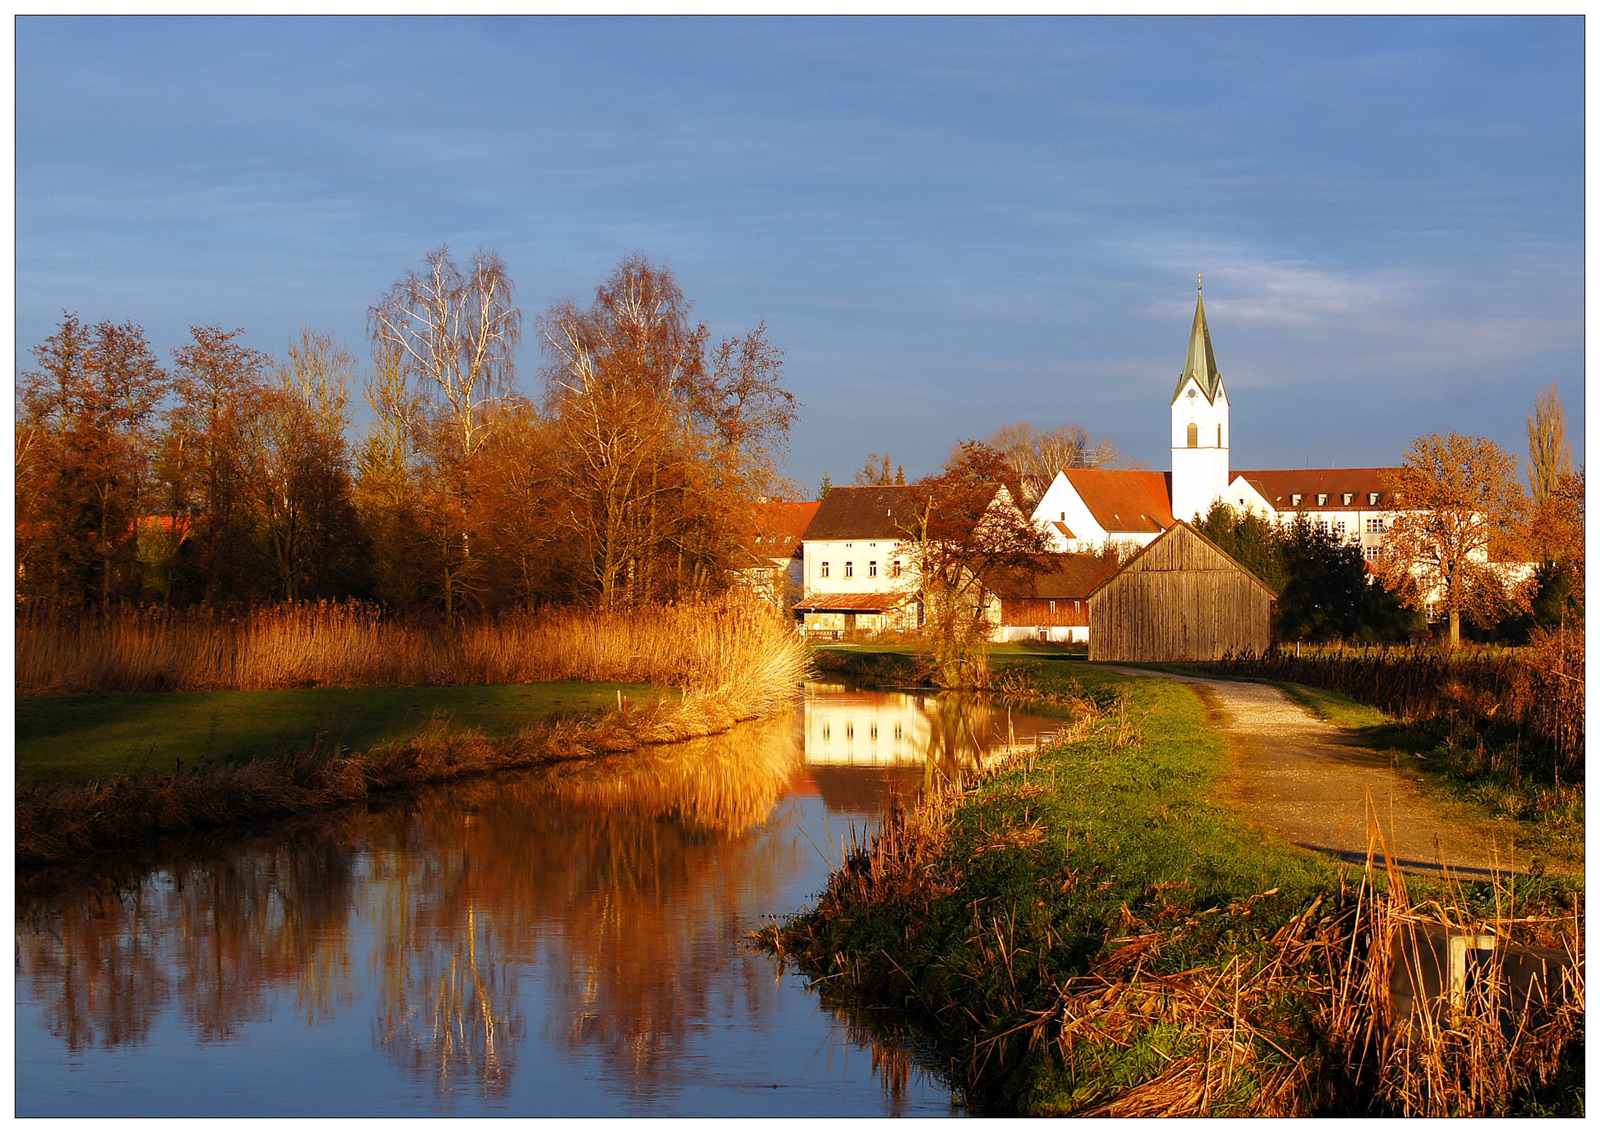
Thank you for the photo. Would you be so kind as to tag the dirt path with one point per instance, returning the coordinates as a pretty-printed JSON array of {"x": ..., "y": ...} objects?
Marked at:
[{"x": 1307, "y": 781}]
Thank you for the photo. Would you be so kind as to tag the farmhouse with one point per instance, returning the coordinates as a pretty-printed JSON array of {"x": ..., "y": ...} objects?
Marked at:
[
  {"x": 1182, "y": 598},
  {"x": 856, "y": 574},
  {"x": 1050, "y": 606}
]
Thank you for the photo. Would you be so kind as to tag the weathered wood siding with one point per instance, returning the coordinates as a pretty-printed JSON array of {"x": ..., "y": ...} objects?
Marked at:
[
  {"x": 1180, "y": 600},
  {"x": 1037, "y": 612}
]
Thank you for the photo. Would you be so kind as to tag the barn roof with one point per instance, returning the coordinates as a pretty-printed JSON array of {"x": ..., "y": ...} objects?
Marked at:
[
  {"x": 1067, "y": 576},
  {"x": 1178, "y": 530},
  {"x": 1279, "y": 486},
  {"x": 864, "y": 513},
  {"x": 1124, "y": 501}
]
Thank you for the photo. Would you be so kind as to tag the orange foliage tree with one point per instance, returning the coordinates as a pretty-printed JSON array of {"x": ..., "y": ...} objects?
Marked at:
[{"x": 1459, "y": 497}]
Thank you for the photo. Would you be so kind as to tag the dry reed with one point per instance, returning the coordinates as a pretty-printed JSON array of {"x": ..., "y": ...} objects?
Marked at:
[{"x": 726, "y": 649}]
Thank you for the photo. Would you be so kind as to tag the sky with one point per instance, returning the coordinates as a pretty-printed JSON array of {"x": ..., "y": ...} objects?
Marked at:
[{"x": 947, "y": 224}]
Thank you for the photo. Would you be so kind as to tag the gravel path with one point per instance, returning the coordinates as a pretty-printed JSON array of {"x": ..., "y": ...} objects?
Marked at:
[{"x": 1308, "y": 781}]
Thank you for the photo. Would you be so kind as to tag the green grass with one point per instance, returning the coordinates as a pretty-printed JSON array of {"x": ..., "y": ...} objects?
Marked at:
[{"x": 79, "y": 738}]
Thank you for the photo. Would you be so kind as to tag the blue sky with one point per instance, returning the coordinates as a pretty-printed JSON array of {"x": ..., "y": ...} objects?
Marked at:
[{"x": 949, "y": 224}]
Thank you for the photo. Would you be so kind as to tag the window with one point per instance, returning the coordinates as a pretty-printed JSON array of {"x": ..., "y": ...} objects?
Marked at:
[
  {"x": 1338, "y": 526},
  {"x": 849, "y": 731},
  {"x": 1194, "y": 435},
  {"x": 1219, "y": 434},
  {"x": 1372, "y": 497},
  {"x": 1063, "y": 517},
  {"x": 1294, "y": 500},
  {"x": 1375, "y": 526},
  {"x": 897, "y": 731},
  {"x": 894, "y": 571},
  {"x": 1052, "y": 605},
  {"x": 1372, "y": 553},
  {"x": 824, "y": 570},
  {"x": 874, "y": 732},
  {"x": 1322, "y": 498},
  {"x": 1322, "y": 529},
  {"x": 849, "y": 570},
  {"x": 1347, "y": 498},
  {"x": 872, "y": 569}
]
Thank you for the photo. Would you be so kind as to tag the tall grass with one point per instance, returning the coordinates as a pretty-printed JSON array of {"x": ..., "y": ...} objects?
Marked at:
[
  {"x": 733, "y": 650},
  {"x": 1534, "y": 694},
  {"x": 734, "y": 660}
]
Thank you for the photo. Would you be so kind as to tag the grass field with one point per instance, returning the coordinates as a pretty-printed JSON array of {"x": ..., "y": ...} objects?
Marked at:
[{"x": 79, "y": 738}]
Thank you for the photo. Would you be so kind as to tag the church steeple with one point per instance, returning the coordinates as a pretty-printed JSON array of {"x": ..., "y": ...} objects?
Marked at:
[{"x": 1201, "y": 364}]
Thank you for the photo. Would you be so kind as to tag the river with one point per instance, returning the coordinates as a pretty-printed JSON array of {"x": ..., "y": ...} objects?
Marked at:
[{"x": 568, "y": 941}]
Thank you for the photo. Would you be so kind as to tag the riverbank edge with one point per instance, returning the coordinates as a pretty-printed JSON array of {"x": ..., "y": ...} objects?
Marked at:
[
  {"x": 60, "y": 821},
  {"x": 1064, "y": 979}
]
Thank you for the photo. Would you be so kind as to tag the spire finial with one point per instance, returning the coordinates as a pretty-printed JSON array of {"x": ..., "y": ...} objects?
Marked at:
[{"x": 1200, "y": 283}]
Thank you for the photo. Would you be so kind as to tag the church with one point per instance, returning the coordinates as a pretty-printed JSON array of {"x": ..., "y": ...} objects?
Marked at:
[{"x": 1085, "y": 508}]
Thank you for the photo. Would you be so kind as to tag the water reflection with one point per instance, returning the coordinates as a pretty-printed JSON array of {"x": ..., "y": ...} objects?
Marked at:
[{"x": 599, "y": 906}]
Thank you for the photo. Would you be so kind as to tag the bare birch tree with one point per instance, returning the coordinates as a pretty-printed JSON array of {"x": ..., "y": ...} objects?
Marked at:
[{"x": 454, "y": 335}]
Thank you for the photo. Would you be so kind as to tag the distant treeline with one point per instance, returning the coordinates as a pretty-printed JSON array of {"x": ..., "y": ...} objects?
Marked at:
[{"x": 230, "y": 478}]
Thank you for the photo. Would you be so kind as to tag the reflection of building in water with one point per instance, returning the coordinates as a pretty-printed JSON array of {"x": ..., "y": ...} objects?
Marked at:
[{"x": 868, "y": 728}]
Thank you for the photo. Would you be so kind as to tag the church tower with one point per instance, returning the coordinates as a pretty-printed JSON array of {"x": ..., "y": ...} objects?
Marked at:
[{"x": 1199, "y": 426}]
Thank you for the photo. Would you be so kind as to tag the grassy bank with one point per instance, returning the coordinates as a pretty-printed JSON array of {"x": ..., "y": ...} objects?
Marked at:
[
  {"x": 729, "y": 662},
  {"x": 82, "y": 738},
  {"x": 1093, "y": 935}
]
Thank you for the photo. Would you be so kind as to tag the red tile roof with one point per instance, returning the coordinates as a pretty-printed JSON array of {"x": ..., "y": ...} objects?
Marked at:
[
  {"x": 781, "y": 526},
  {"x": 1124, "y": 501},
  {"x": 1279, "y": 486}
]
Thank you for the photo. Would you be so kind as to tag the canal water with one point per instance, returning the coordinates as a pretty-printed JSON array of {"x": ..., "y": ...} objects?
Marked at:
[{"x": 570, "y": 941}]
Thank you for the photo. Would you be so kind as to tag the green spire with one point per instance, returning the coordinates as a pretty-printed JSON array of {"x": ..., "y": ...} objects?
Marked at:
[{"x": 1201, "y": 365}]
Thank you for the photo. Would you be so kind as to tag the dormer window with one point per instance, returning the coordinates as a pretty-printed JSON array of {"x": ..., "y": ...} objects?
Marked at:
[
  {"x": 1372, "y": 498},
  {"x": 1294, "y": 500},
  {"x": 1347, "y": 498},
  {"x": 1322, "y": 498}
]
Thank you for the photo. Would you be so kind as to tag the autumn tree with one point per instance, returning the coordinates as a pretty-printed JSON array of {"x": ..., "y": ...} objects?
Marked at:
[
  {"x": 1549, "y": 454},
  {"x": 219, "y": 386},
  {"x": 1038, "y": 454},
  {"x": 388, "y": 493},
  {"x": 298, "y": 475},
  {"x": 967, "y": 530},
  {"x": 665, "y": 449},
  {"x": 82, "y": 460},
  {"x": 451, "y": 337},
  {"x": 879, "y": 471},
  {"x": 1456, "y": 496}
]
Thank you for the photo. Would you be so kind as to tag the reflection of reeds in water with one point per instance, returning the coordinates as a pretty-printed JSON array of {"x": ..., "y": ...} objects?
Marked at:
[
  {"x": 629, "y": 876},
  {"x": 727, "y": 783}
]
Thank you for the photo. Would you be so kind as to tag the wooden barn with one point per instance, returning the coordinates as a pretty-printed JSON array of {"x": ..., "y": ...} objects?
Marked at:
[{"x": 1182, "y": 598}]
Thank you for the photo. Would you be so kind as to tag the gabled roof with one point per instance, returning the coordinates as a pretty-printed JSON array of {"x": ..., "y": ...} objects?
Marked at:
[
  {"x": 1066, "y": 577},
  {"x": 1279, "y": 487},
  {"x": 1154, "y": 549},
  {"x": 780, "y": 526},
  {"x": 1201, "y": 363},
  {"x": 864, "y": 513},
  {"x": 1123, "y": 501}
]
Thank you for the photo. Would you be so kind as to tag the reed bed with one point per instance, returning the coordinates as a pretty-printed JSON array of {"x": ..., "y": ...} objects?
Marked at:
[
  {"x": 728, "y": 648},
  {"x": 1537, "y": 692}
]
